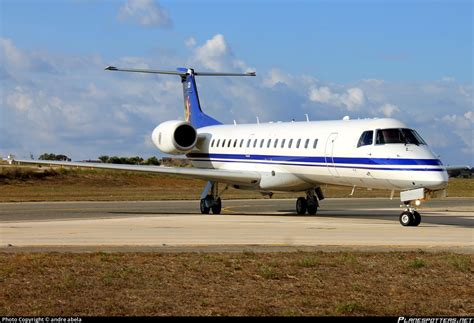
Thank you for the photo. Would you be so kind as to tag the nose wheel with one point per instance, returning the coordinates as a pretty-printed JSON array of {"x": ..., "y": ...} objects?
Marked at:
[{"x": 410, "y": 217}]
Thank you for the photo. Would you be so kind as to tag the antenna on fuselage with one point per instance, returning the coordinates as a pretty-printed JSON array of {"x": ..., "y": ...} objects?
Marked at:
[
  {"x": 307, "y": 117},
  {"x": 258, "y": 120}
]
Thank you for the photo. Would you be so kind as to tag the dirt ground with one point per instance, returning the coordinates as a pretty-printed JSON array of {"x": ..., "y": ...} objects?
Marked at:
[{"x": 230, "y": 284}]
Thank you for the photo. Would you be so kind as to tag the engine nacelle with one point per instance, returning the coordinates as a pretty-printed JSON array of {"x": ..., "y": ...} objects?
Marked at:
[{"x": 174, "y": 137}]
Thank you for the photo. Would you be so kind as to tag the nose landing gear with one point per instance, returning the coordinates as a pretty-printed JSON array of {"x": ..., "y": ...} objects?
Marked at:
[{"x": 410, "y": 217}]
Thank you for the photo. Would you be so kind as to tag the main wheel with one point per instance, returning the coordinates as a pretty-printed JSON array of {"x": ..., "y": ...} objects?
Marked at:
[
  {"x": 216, "y": 208},
  {"x": 417, "y": 219},
  {"x": 301, "y": 205},
  {"x": 312, "y": 206},
  {"x": 407, "y": 219},
  {"x": 204, "y": 208}
]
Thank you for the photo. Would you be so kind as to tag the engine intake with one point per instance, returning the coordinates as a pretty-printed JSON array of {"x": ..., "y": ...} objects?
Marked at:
[{"x": 174, "y": 137}]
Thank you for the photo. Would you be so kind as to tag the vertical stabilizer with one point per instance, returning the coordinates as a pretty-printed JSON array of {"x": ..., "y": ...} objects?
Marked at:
[{"x": 192, "y": 108}]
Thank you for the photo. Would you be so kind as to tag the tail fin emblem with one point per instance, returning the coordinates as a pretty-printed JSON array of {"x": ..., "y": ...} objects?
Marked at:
[{"x": 187, "y": 110}]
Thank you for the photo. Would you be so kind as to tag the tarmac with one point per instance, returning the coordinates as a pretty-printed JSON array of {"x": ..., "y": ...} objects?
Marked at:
[{"x": 263, "y": 225}]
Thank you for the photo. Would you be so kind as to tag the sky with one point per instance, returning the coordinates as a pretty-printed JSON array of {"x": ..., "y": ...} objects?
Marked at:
[{"x": 410, "y": 60}]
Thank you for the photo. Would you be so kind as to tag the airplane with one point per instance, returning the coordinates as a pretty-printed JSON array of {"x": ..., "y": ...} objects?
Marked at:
[{"x": 291, "y": 156}]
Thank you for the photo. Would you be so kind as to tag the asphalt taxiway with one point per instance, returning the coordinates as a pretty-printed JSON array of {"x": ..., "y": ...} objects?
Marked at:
[{"x": 264, "y": 224}]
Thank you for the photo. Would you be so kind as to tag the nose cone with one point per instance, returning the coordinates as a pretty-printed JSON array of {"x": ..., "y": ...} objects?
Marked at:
[{"x": 437, "y": 181}]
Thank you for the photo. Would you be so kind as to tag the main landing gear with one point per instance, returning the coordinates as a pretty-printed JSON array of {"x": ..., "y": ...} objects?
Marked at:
[
  {"x": 410, "y": 217},
  {"x": 210, "y": 199},
  {"x": 309, "y": 204}
]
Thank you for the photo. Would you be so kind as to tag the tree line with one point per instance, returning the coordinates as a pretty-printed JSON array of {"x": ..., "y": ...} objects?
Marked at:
[{"x": 135, "y": 160}]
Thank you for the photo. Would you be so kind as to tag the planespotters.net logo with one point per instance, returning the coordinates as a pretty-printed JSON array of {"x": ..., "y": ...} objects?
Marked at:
[{"x": 402, "y": 319}]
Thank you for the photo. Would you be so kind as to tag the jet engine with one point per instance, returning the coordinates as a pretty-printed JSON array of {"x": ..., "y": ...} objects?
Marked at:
[{"x": 174, "y": 137}]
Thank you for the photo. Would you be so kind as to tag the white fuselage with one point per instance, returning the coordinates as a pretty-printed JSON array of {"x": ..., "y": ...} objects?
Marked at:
[{"x": 334, "y": 159}]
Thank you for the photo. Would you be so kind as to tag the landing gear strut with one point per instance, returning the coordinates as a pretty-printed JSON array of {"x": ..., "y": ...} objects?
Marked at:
[
  {"x": 410, "y": 217},
  {"x": 210, "y": 199},
  {"x": 309, "y": 204}
]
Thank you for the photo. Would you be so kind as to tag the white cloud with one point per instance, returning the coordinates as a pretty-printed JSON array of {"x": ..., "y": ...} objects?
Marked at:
[
  {"x": 352, "y": 99},
  {"x": 448, "y": 79},
  {"x": 388, "y": 110},
  {"x": 469, "y": 116},
  {"x": 190, "y": 42},
  {"x": 276, "y": 76},
  {"x": 10, "y": 54},
  {"x": 146, "y": 13},
  {"x": 462, "y": 126},
  {"x": 322, "y": 94},
  {"x": 215, "y": 54},
  {"x": 19, "y": 100}
]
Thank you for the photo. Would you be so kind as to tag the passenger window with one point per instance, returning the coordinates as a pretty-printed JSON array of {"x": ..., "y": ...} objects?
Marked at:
[
  {"x": 241, "y": 143},
  {"x": 212, "y": 142},
  {"x": 218, "y": 141},
  {"x": 315, "y": 143},
  {"x": 298, "y": 143},
  {"x": 223, "y": 142},
  {"x": 306, "y": 144},
  {"x": 230, "y": 141},
  {"x": 235, "y": 143},
  {"x": 248, "y": 143},
  {"x": 276, "y": 143},
  {"x": 366, "y": 138},
  {"x": 269, "y": 142},
  {"x": 255, "y": 143},
  {"x": 261, "y": 143},
  {"x": 290, "y": 143},
  {"x": 283, "y": 143}
]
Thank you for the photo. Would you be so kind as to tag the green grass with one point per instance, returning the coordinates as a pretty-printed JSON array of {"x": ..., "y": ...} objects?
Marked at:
[
  {"x": 308, "y": 262},
  {"x": 348, "y": 307},
  {"x": 460, "y": 262},
  {"x": 417, "y": 263}
]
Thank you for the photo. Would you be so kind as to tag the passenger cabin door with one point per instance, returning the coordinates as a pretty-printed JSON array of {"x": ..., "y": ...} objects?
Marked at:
[{"x": 329, "y": 154}]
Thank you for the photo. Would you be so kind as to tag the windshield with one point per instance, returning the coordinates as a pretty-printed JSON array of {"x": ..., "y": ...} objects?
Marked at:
[{"x": 398, "y": 136}]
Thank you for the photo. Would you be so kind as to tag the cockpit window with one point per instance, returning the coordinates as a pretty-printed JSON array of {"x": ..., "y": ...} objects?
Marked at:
[
  {"x": 398, "y": 136},
  {"x": 366, "y": 138},
  {"x": 413, "y": 137}
]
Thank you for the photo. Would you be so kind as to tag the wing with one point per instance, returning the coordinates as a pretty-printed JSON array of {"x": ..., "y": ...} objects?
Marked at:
[{"x": 216, "y": 175}]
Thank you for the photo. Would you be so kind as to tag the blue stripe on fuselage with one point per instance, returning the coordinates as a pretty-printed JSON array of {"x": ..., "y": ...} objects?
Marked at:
[
  {"x": 329, "y": 160},
  {"x": 317, "y": 165}
]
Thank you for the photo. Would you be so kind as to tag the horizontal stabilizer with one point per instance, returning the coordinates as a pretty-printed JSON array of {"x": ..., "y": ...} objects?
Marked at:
[{"x": 179, "y": 71}]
